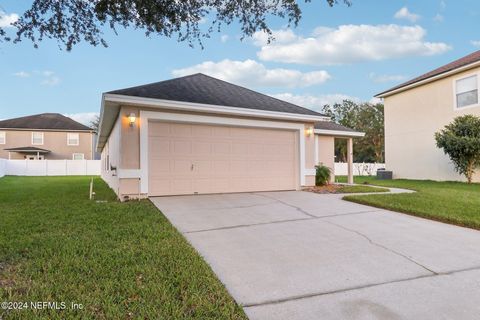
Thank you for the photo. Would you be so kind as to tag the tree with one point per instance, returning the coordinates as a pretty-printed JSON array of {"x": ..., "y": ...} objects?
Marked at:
[
  {"x": 71, "y": 21},
  {"x": 364, "y": 117},
  {"x": 95, "y": 123},
  {"x": 460, "y": 140}
]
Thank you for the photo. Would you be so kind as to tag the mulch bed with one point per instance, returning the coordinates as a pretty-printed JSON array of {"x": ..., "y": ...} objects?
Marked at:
[{"x": 329, "y": 188}]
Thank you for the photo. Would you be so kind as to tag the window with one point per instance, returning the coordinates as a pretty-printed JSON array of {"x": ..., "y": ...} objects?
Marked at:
[
  {"x": 73, "y": 139},
  {"x": 466, "y": 92},
  {"x": 37, "y": 138},
  {"x": 3, "y": 138},
  {"x": 78, "y": 156}
]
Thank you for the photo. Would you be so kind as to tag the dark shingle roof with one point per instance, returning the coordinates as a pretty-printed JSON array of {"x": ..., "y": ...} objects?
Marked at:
[
  {"x": 200, "y": 88},
  {"x": 471, "y": 58},
  {"x": 28, "y": 149},
  {"x": 47, "y": 121},
  {"x": 328, "y": 125}
]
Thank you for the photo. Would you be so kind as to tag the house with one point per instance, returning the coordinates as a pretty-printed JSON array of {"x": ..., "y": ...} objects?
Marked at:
[
  {"x": 45, "y": 136},
  {"x": 418, "y": 108},
  {"x": 197, "y": 135}
]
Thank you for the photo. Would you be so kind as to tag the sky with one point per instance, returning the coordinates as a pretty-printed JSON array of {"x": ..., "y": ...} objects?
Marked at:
[{"x": 333, "y": 54}]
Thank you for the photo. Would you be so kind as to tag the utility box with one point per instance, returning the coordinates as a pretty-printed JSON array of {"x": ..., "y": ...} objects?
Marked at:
[{"x": 383, "y": 174}]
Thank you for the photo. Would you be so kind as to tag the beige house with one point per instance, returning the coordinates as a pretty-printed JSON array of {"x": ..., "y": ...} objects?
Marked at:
[
  {"x": 415, "y": 110},
  {"x": 198, "y": 135},
  {"x": 45, "y": 136}
]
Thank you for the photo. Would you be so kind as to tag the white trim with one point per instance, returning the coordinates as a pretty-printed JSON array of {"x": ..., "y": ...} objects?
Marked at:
[
  {"x": 338, "y": 133},
  {"x": 129, "y": 173},
  {"x": 68, "y": 139},
  {"x": 199, "y": 107},
  {"x": 78, "y": 153},
  {"x": 37, "y": 144},
  {"x": 46, "y": 130},
  {"x": 454, "y": 83},
  {"x": 310, "y": 172},
  {"x": 316, "y": 149},
  {"x": 428, "y": 80},
  {"x": 145, "y": 116},
  {"x": 3, "y": 135}
]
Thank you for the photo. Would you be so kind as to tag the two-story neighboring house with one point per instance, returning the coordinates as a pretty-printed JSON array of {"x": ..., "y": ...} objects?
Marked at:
[
  {"x": 418, "y": 108},
  {"x": 45, "y": 136}
]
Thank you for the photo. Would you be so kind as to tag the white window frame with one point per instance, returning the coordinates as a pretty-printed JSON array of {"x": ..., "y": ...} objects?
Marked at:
[
  {"x": 455, "y": 106},
  {"x": 33, "y": 142},
  {"x": 82, "y": 154},
  {"x": 3, "y": 137},
  {"x": 68, "y": 139}
]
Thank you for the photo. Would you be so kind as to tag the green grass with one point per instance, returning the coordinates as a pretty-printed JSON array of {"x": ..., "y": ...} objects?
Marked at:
[
  {"x": 119, "y": 260},
  {"x": 360, "y": 189},
  {"x": 452, "y": 202}
]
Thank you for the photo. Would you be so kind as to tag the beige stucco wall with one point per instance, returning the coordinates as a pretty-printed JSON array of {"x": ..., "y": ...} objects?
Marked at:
[
  {"x": 55, "y": 141},
  {"x": 123, "y": 149},
  {"x": 110, "y": 157},
  {"x": 411, "y": 119},
  {"x": 326, "y": 153}
]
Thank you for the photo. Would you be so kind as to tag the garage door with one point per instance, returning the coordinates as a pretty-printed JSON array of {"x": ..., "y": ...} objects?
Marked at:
[{"x": 199, "y": 158}]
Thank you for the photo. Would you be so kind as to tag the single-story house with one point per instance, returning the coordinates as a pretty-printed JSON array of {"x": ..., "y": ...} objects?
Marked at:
[
  {"x": 198, "y": 135},
  {"x": 418, "y": 108},
  {"x": 43, "y": 136}
]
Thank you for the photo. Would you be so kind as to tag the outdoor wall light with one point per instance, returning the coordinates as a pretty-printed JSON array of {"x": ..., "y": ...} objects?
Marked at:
[
  {"x": 131, "y": 119},
  {"x": 309, "y": 131}
]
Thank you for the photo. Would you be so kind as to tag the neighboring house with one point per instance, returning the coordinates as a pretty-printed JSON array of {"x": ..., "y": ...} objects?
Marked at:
[
  {"x": 197, "y": 135},
  {"x": 45, "y": 136},
  {"x": 416, "y": 109}
]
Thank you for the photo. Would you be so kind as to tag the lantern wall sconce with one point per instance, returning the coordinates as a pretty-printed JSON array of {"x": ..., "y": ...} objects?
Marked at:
[
  {"x": 131, "y": 119},
  {"x": 309, "y": 131}
]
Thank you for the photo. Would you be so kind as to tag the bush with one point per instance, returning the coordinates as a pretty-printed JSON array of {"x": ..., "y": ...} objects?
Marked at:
[
  {"x": 460, "y": 140},
  {"x": 322, "y": 175}
]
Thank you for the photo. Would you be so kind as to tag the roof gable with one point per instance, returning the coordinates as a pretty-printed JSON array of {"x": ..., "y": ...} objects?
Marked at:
[
  {"x": 462, "y": 62},
  {"x": 44, "y": 121},
  {"x": 203, "y": 89}
]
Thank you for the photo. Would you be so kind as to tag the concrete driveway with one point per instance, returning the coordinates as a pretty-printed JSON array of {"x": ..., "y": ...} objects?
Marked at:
[{"x": 300, "y": 255}]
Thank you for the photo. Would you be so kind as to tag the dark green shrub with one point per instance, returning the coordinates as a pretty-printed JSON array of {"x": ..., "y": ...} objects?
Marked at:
[{"x": 322, "y": 175}]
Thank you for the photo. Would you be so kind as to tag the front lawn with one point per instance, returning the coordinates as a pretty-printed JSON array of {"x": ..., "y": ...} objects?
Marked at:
[
  {"x": 452, "y": 202},
  {"x": 118, "y": 260}
]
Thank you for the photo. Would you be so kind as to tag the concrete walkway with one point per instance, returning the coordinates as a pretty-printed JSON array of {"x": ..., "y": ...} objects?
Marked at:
[{"x": 300, "y": 255}]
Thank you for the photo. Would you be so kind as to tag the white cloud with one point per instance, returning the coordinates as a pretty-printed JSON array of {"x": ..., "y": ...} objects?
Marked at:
[
  {"x": 314, "y": 102},
  {"x": 404, "y": 13},
  {"x": 22, "y": 74},
  {"x": 83, "y": 117},
  {"x": 438, "y": 18},
  {"x": 224, "y": 38},
  {"x": 475, "y": 43},
  {"x": 443, "y": 5},
  {"x": 6, "y": 20},
  {"x": 49, "y": 78},
  {"x": 352, "y": 43},
  {"x": 252, "y": 74},
  {"x": 382, "y": 78},
  {"x": 260, "y": 38}
]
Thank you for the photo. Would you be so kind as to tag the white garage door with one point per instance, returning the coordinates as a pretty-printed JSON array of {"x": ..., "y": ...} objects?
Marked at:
[{"x": 199, "y": 158}]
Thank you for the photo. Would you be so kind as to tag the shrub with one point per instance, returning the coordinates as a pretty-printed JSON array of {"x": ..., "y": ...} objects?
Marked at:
[
  {"x": 460, "y": 140},
  {"x": 322, "y": 175}
]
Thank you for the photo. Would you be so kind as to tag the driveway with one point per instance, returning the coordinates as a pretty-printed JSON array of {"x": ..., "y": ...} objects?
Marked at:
[{"x": 300, "y": 255}]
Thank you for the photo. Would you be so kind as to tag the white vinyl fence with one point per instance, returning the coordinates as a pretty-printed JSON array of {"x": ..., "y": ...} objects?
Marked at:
[
  {"x": 50, "y": 167},
  {"x": 359, "y": 169},
  {"x": 3, "y": 164}
]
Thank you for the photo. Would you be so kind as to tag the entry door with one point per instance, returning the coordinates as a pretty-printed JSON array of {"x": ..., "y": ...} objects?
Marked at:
[{"x": 199, "y": 159}]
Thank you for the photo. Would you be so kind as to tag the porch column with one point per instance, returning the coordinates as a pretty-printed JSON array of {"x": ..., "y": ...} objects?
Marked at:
[{"x": 350, "y": 160}]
